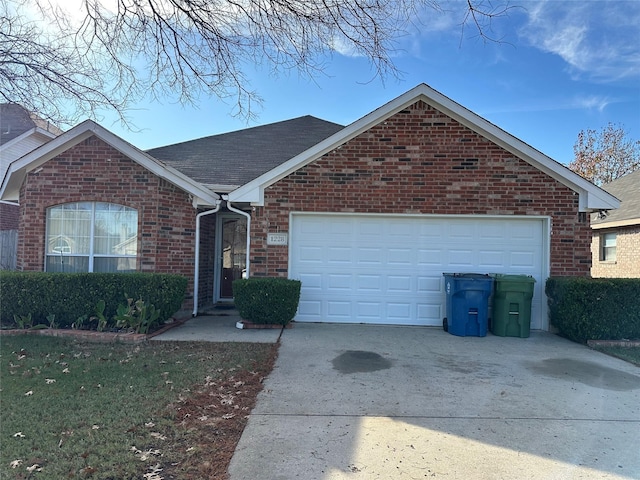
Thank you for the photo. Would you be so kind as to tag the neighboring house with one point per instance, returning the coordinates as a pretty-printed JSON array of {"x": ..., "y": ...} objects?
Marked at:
[
  {"x": 368, "y": 216},
  {"x": 615, "y": 247},
  {"x": 20, "y": 132}
]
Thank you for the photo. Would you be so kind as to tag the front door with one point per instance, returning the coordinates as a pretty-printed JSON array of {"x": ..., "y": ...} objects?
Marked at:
[{"x": 232, "y": 253}]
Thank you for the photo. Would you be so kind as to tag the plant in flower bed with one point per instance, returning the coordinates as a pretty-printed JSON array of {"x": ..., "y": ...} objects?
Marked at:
[
  {"x": 267, "y": 300},
  {"x": 159, "y": 411}
]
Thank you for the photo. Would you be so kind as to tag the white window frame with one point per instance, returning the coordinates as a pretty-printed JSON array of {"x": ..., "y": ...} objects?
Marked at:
[
  {"x": 91, "y": 255},
  {"x": 608, "y": 251}
]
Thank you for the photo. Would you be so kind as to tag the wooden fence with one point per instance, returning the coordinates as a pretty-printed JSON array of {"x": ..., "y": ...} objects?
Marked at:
[{"x": 8, "y": 249}]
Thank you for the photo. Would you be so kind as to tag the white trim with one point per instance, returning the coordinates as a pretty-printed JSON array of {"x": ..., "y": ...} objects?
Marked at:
[
  {"x": 18, "y": 169},
  {"x": 591, "y": 196},
  {"x": 630, "y": 222},
  {"x": 24, "y": 135},
  {"x": 546, "y": 241}
]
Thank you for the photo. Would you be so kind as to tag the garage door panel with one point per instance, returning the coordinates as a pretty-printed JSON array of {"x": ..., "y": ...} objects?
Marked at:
[
  {"x": 399, "y": 283},
  {"x": 312, "y": 309},
  {"x": 399, "y": 256},
  {"x": 369, "y": 283},
  {"x": 522, "y": 260},
  {"x": 388, "y": 269},
  {"x": 369, "y": 257},
  {"x": 339, "y": 282},
  {"x": 429, "y": 257},
  {"x": 311, "y": 281},
  {"x": 429, "y": 284},
  {"x": 461, "y": 258},
  {"x": 491, "y": 259}
]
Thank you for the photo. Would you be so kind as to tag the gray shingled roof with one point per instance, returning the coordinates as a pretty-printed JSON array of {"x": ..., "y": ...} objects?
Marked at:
[
  {"x": 15, "y": 120},
  {"x": 627, "y": 190},
  {"x": 238, "y": 157}
]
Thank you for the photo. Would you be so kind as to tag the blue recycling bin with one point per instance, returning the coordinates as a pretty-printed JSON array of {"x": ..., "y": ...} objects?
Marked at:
[{"x": 467, "y": 303}]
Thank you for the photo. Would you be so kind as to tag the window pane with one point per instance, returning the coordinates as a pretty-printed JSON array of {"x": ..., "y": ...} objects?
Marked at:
[
  {"x": 114, "y": 265},
  {"x": 608, "y": 242},
  {"x": 66, "y": 264},
  {"x": 69, "y": 229},
  {"x": 116, "y": 230}
]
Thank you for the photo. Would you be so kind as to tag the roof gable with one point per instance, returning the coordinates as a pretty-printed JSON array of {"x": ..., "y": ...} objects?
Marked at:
[
  {"x": 225, "y": 162},
  {"x": 591, "y": 197},
  {"x": 18, "y": 170}
]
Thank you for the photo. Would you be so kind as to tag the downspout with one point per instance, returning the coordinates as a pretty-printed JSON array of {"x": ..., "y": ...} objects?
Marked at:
[
  {"x": 248, "y": 215},
  {"x": 197, "y": 259}
]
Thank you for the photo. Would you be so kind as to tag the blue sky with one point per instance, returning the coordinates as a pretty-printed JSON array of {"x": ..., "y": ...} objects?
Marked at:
[{"x": 562, "y": 66}]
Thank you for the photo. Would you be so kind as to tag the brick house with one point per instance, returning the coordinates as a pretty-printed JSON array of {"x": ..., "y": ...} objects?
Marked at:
[
  {"x": 615, "y": 247},
  {"x": 368, "y": 216}
]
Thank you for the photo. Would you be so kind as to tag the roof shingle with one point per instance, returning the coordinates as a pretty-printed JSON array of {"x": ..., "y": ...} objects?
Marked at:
[{"x": 236, "y": 158}]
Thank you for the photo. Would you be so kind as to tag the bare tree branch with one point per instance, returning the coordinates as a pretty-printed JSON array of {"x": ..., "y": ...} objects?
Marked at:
[{"x": 120, "y": 52}]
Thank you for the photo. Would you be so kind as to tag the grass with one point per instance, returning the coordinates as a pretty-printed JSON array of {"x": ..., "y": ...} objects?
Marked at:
[
  {"x": 629, "y": 354},
  {"x": 103, "y": 411}
]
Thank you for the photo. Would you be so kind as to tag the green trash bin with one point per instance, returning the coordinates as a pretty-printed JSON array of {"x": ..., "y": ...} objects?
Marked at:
[{"x": 512, "y": 305}]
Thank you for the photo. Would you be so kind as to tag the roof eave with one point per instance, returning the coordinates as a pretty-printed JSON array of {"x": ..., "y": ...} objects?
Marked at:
[{"x": 628, "y": 222}]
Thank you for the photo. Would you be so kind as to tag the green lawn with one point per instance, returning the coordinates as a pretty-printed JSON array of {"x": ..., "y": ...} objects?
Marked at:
[
  {"x": 629, "y": 354},
  {"x": 102, "y": 411}
]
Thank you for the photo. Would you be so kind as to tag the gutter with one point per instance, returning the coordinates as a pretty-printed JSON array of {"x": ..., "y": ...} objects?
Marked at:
[{"x": 196, "y": 273}]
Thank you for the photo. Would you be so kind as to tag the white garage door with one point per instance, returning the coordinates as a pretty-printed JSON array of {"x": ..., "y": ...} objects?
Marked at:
[{"x": 388, "y": 269}]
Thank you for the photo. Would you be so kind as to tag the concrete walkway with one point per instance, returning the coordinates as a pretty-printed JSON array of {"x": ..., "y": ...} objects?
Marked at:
[{"x": 383, "y": 402}]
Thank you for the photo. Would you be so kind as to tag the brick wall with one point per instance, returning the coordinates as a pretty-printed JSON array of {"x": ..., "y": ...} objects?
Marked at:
[
  {"x": 93, "y": 171},
  {"x": 421, "y": 161},
  {"x": 9, "y": 215},
  {"x": 627, "y": 264}
]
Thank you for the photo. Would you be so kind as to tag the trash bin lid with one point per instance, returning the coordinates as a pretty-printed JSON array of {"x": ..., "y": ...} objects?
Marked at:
[{"x": 502, "y": 277}]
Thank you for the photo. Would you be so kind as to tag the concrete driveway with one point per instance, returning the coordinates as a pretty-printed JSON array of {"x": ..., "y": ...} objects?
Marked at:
[{"x": 381, "y": 402}]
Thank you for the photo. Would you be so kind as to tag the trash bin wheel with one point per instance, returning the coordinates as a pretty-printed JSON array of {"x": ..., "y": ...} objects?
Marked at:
[{"x": 445, "y": 324}]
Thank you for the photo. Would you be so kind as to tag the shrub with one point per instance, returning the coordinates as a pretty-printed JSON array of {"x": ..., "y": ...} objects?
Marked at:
[
  {"x": 267, "y": 300},
  {"x": 595, "y": 308},
  {"x": 70, "y": 297}
]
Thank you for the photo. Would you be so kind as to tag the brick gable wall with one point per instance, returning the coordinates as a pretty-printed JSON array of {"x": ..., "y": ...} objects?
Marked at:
[
  {"x": 93, "y": 171},
  {"x": 421, "y": 161}
]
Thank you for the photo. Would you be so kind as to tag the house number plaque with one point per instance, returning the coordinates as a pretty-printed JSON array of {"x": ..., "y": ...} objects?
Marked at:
[{"x": 280, "y": 238}]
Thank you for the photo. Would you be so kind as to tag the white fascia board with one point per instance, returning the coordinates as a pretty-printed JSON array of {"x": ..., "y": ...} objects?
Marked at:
[
  {"x": 27, "y": 134},
  {"x": 18, "y": 169},
  {"x": 591, "y": 197},
  {"x": 630, "y": 222}
]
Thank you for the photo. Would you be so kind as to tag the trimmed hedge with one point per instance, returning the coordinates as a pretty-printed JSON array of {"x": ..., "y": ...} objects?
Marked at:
[
  {"x": 267, "y": 300},
  {"x": 72, "y": 295},
  {"x": 594, "y": 308}
]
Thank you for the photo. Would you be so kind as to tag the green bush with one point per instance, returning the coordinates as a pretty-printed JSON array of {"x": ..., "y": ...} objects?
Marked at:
[
  {"x": 76, "y": 297},
  {"x": 594, "y": 308},
  {"x": 267, "y": 300}
]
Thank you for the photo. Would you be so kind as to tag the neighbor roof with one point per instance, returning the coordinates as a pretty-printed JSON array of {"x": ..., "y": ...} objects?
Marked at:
[
  {"x": 627, "y": 189},
  {"x": 227, "y": 161},
  {"x": 15, "y": 120}
]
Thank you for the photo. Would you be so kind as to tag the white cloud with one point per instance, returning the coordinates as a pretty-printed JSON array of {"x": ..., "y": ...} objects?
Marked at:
[{"x": 598, "y": 39}]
